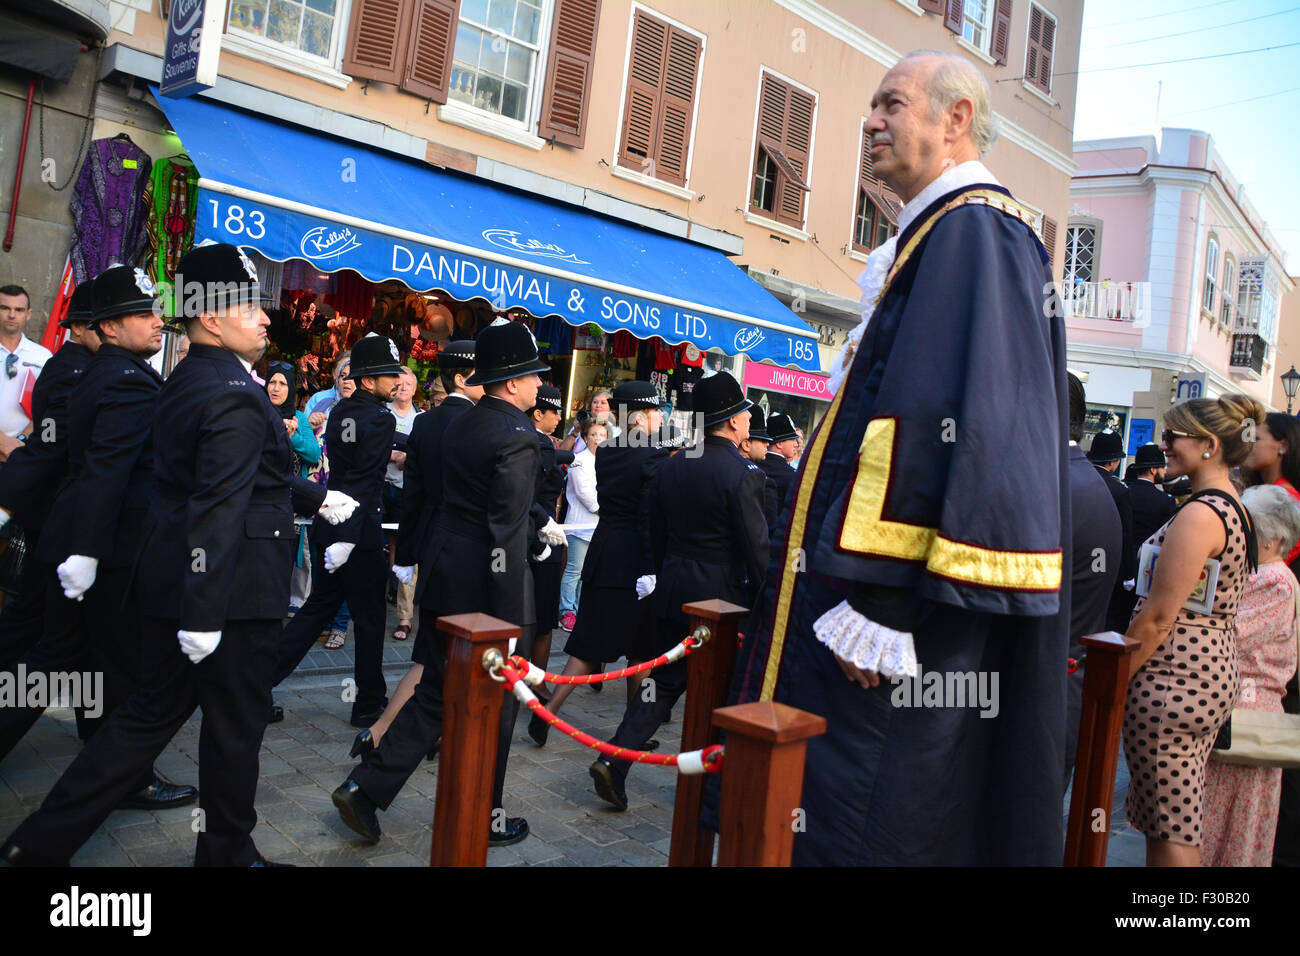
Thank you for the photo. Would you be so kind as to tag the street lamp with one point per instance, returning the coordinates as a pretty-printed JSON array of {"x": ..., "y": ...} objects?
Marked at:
[{"x": 1289, "y": 382}]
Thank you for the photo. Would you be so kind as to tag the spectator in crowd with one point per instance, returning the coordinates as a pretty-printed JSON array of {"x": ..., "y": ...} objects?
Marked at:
[
  {"x": 305, "y": 449},
  {"x": 598, "y": 411},
  {"x": 1166, "y": 747},
  {"x": 1241, "y": 802},
  {"x": 182, "y": 348},
  {"x": 323, "y": 401},
  {"x": 22, "y": 359},
  {"x": 584, "y": 508},
  {"x": 337, "y": 634},
  {"x": 405, "y": 412}
]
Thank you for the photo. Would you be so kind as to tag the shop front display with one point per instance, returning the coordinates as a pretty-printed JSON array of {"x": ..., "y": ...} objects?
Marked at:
[{"x": 801, "y": 395}]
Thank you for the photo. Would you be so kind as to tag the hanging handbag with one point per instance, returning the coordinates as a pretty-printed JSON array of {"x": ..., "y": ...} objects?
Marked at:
[{"x": 1261, "y": 738}]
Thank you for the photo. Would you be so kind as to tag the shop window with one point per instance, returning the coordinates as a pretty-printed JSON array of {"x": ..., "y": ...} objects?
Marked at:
[
  {"x": 659, "y": 101},
  {"x": 1039, "y": 52},
  {"x": 1211, "y": 272},
  {"x": 876, "y": 216},
  {"x": 781, "y": 156},
  {"x": 305, "y": 26}
]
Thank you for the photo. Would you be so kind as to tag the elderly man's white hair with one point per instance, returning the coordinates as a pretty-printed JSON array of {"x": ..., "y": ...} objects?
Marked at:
[{"x": 956, "y": 78}]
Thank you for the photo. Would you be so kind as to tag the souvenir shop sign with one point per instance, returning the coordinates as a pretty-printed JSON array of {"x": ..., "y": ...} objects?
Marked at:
[
  {"x": 347, "y": 206},
  {"x": 193, "y": 46}
]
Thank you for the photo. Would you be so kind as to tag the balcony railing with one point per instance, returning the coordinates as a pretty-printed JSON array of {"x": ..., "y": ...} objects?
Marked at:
[
  {"x": 1114, "y": 301},
  {"x": 1248, "y": 354}
]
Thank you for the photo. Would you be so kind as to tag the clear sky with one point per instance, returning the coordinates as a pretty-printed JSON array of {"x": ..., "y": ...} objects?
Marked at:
[{"x": 1248, "y": 103}]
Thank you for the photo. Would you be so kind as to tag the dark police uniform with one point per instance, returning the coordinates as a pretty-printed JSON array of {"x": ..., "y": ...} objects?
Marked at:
[
  {"x": 710, "y": 540},
  {"x": 28, "y": 482},
  {"x": 1095, "y": 527},
  {"x": 780, "y": 427},
  {"x": 551, "y": 481},
  {"x": 1107, "y": 446},
  {"x": 216, "y": 554},
  {"x": 1151, "y": 509},
  {"x": 359, "y": 437},
  {"x": 476, "y": 561},
  {"x": 98, "y": 512}
]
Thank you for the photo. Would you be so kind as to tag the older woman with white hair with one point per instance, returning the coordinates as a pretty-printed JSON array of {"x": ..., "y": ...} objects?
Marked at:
[{"x": 1241, "y": 802}]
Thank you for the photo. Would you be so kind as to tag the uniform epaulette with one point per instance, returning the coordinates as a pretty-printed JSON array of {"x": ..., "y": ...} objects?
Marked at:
[{"x": 1004, "y": 204}]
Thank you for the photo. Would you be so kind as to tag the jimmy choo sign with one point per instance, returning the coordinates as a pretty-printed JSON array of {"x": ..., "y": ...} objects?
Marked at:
[{"x": 193, "y": 46}]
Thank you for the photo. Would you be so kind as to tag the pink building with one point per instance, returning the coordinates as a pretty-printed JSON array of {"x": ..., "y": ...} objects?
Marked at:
[{"x": 1171, "y": 279}]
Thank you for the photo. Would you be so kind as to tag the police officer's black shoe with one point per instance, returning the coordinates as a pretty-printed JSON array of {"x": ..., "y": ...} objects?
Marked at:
[
  {"x": 368, "y": 718},
  {"x": 609, "y": 785},
  {"x": 161, "y": 794},
  {"x": 363, "y": 745},
  {"x": 538, "y": 729},
  {"x": 15, "y": 855},
  {"x": 276, "y": 715},
  {"x": 515, "y": 831},
  {"x": 357, "y": 810}
]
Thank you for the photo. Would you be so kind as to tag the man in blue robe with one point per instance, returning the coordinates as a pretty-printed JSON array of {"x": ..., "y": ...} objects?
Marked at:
[{"x": 917, "y": 599}]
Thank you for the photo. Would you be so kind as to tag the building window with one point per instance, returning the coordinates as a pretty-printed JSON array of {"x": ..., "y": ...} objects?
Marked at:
[
  {"x": 1229, "y": 279},
  {"x": 659, "y": 102},
  {"x": 1080, "y": 254},
  {"x": 876, "y": 217},
  {"x": 975, "y": 23},
  {"x": 495, "y": 60},
  {"x": 1257, "y": 298},
  {"x": 1040, "y": 51},
  {"x": 1211, "y": 271},
  {"x": 306, "y": 26},
  {"x": 782, "y": 151}
]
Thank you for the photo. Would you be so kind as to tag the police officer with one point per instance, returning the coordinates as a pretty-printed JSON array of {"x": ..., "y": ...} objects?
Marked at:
[
  {"x": 551, "y": 481},
  {"x": 1106, "y": 452},
  {"x": 359, "y": 437},
  {"x": 34, "y": 472},
  {"x": 709, "y": 540},
  {"x": 755, "y": 449},
  {"x": 612, "y": 623},
  {"x": 93, "y": 530},
  {"x": 776, "y": 464},
  {"x": 477, "y": 560},
  {"x": 1152, "y": 507}
]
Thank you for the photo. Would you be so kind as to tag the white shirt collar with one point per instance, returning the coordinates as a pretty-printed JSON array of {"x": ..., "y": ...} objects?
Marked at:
[
  {"x": 248, "y": 366},
  {"x": 956, "y": 177},
  {"x": 464, "y": 398}
]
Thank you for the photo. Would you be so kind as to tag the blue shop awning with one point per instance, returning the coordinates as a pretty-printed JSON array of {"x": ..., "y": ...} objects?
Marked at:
[{"x": 290, "y": 193}]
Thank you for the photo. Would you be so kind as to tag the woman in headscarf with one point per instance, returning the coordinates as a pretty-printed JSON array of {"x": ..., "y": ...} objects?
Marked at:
[{"x": 305, "y": 452}]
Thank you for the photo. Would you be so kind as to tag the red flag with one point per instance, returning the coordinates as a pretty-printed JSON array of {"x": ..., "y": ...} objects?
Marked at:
[
  {"x": 55, "y": 333},
  {"x": 29, "y": 384}
]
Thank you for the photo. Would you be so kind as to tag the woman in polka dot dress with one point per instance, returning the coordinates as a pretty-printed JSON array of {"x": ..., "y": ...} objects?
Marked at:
[{"x": 1185, "y": 674}]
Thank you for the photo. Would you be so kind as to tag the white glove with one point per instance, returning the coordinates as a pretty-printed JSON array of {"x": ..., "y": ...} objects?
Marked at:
[
  {"x": 77, "y": 575},
  {"x": 1129, "y": 585},
  {"x": 197, "y": 645},
  {"x": 404, "y": 573},
  {"x": 337, "y": 507},
  {"x": 645, "y": 585},
  {"x": 337, "y": 554},
  {"x": 545, "y": 553},
  {"x": 551, "y": 533},
  {"x": 4, "y": 517}
]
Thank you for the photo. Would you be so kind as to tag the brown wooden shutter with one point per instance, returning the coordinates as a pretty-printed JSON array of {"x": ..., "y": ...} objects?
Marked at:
[
  {"x": 677, "y": 105},
  {"x": 797, "y": 146},
  {"x": 568, "y": 75},
  {"x": 376, "y": 49},
  {"x": 1001, "y": 31},
  {"x": 931, "y": 6},
  {"x": 866, "y": 172},
  {"x": 952, "y": 19},
  {"x": 1049, "y": 239},
  {"x": 1038, "y": 55},
  {"x": 428, "y": 55},
  {"x": 641, "y": 104}
]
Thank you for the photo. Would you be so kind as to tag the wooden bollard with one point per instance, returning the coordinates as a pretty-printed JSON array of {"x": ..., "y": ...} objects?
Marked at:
[
  {"x": 708, "y": 681},
  {"x": 762, "y": 781},
  {"x": 1105, "y": 684},
  {"x": 462, "y": 815}
]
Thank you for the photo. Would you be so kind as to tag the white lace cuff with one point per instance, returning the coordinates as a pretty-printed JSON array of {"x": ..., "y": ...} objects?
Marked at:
[{"x": 866, "y": 644}]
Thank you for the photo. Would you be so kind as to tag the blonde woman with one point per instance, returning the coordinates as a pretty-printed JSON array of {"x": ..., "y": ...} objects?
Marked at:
[{"x": 1185, "y": 674}]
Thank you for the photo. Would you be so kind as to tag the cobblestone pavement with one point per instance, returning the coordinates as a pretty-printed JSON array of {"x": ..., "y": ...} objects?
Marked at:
[{"x": 306, "y": 756}]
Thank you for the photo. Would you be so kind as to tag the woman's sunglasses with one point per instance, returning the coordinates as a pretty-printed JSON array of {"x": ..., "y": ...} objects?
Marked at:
[
  {"x": 11, "y": 365},
  {"x": 1168, "y": 435}
]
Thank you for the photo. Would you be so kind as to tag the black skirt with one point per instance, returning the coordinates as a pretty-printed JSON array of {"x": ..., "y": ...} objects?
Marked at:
[
  {"x": 612, "y": 624},
  {"x": 546, "y": 593}
]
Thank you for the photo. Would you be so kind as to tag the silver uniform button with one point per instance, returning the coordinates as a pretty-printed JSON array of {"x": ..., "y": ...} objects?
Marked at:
[{"x": 277, "y": 533}]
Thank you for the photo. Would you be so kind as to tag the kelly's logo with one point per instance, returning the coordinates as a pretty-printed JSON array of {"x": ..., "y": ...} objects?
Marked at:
[
  {"x": 185, "y": 16},
  {"x": 746, "y": 339},
  {"x": 322, "y": 243},
  {"x": 510, "y": 239}
]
